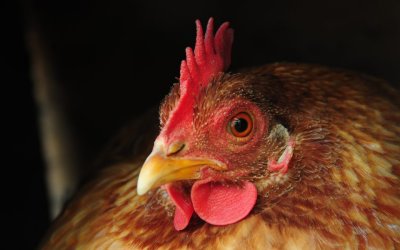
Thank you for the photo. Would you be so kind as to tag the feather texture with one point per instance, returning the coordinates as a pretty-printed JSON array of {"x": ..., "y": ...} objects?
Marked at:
[{"x": 342, "y": 190}]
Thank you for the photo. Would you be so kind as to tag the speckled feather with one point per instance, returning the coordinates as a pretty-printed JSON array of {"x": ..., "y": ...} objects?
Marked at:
[{"x": 342, "y": 190}]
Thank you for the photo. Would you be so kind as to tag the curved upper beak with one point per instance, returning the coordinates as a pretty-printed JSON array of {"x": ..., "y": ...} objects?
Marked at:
[{"x": 160, "y": 169}]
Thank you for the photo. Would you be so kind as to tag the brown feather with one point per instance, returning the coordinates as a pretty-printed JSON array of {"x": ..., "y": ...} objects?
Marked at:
[{"x": 343, "y": 190}]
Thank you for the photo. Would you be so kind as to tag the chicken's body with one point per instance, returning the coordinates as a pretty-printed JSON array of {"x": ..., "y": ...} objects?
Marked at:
[{"x": 342, "y": 192}]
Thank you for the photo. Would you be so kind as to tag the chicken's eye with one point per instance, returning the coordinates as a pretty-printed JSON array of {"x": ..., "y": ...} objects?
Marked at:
[{"x": 240, "y": 125}]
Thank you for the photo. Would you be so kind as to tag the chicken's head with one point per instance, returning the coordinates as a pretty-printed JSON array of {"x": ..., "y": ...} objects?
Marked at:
[{"x": 219, "y": 138}]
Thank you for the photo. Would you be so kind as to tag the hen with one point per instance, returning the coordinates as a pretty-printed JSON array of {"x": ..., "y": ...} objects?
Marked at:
[{"x": 283, "y": 156}]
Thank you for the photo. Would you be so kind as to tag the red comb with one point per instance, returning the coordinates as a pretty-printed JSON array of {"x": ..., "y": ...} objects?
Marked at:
[{"x": 211, "y": 55}]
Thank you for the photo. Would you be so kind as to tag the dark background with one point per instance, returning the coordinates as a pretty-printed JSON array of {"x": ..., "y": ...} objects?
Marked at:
[{"x": 115, "y": 59}]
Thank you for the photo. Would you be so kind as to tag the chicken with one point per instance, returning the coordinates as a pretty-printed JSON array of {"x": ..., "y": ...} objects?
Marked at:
[{"x": 282, "y": 156}]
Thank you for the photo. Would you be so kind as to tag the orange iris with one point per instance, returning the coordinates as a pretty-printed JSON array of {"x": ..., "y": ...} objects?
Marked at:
[{"x": 241, "y": 125}]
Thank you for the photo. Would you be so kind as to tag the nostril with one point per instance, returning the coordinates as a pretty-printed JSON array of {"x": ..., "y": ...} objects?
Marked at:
[{"x": 175, "y": 148}]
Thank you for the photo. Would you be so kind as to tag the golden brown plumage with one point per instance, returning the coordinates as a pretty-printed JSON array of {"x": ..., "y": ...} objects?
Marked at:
[
  {"x": 283, "y": 156},
  {"x": 342, "y": 190}
]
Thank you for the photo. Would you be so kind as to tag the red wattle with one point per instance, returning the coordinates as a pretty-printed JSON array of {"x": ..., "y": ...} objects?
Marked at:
[
  {"x": 219, "y": 204},
  {"x": 183, "y": 206}
]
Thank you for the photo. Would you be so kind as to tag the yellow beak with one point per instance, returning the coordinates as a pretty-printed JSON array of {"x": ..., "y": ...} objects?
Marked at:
[{"x": 159, "y": 169}]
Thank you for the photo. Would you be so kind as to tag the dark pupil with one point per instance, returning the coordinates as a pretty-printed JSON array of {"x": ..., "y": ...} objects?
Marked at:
[{"x": 240, "y": 125}]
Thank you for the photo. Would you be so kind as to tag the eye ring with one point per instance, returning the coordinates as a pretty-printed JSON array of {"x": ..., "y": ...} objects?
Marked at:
[{"x": 241, "y": 125}]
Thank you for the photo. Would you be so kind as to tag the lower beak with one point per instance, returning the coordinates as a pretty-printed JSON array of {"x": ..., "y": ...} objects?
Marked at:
[{"x": 158, "y": 170}]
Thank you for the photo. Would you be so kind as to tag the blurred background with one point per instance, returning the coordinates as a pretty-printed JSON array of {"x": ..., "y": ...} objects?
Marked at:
[{"x": 76, "y": 71}]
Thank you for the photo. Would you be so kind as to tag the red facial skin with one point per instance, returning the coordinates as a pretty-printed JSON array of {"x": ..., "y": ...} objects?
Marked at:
[{"x": 213, "y": 140}]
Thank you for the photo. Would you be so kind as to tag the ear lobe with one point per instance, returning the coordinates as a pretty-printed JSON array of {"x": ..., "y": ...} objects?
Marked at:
[{"x": 282, "y": 164}]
